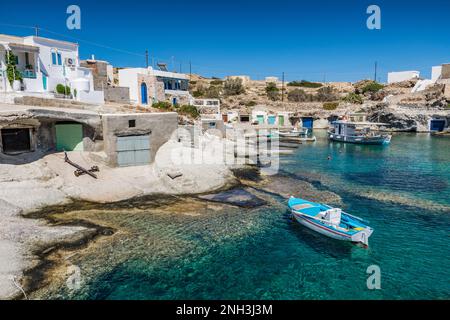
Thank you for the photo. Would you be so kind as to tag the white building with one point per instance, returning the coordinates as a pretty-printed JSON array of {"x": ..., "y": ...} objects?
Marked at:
[
  {"x": 394, "y": 77},
  {"x": 208, "y": 108},
  {"x": 43, "y": 64},
  {"x": 148, "y": 85}
]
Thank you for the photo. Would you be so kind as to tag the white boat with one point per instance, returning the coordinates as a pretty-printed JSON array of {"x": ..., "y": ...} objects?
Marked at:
[
  {"x": 298, "y": 135},
  {"x": 331, "y": 222},
  {"x": 344, "y": 131}
]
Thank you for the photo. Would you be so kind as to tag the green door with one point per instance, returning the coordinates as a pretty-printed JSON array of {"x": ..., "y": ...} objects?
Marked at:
[
  {"x": 260, "y": 119},
  {"x": 281, "y": 120},
  {"x": 69, "y": 137}
]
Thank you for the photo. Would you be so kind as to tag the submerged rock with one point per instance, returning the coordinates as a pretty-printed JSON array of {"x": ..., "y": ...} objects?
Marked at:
[{"x": 236, "y": 197}]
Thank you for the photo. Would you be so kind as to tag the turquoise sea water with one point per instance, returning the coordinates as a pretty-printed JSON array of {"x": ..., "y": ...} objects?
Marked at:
[{"x": 402, "y": 189}]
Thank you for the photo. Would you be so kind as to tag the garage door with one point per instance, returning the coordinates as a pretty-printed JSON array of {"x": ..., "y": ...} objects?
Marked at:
[
  {"x": 133, "y": 151},
  {"x": 16, "y": 140},
  {"x": 69, "y": 137},
  {"x": 308, "y": 123},
  {"x": 437, "y": 125}
]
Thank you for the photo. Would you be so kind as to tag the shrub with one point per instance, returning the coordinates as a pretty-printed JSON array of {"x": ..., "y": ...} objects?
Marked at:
[
  {"x": 250, "y": 103},
  {"x": 272, "y": 91},
  {"x": 298, "y": 95},
  {"x": 326, "y": 94},
  {"x": 330, "y": 105},
  {"x": 11, "y": 71},
  {"x": 190, "y": 111},
  {"x": 212, "y": 92},
  {"x": 62, "y": 89},
  {"x": 353, "y": 98},
  {"x": 216, "y": 83},
  {"x": 163, "y": 105},
  {"x": 233, "y": 87},
  {"x": 197, "y": 94},
  {"x": 372, "y": 87},
  {"x": 305, "y": 84}
]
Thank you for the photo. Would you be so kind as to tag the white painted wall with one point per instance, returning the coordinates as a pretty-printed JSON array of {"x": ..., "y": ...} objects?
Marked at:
[
  {"x": 436, "y": 73},
  {"x": 394, "y": 77},
  {"x": 94, "y": 97},
  {"x": 129, "y": 78}
]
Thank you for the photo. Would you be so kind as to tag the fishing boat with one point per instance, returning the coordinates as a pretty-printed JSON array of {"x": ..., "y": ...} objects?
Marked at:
[
  {"x": 331, "y": 222},
  {"x": 302, "y": 135},
  {"x": 358, "y": 132}
]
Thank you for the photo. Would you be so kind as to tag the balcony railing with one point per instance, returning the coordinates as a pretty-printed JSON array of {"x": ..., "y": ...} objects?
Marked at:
[{"x": 28, "y": 74}]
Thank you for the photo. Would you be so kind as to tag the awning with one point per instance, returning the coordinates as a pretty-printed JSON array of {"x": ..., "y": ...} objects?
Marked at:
[{"x": 23, "y": 47}]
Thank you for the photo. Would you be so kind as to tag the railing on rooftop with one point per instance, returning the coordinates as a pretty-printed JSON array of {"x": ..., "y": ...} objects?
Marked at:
[{"x": 28, "y": 74}]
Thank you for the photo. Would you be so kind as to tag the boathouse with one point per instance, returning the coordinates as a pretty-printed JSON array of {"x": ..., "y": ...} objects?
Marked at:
[{"x": 134, "y": 139}]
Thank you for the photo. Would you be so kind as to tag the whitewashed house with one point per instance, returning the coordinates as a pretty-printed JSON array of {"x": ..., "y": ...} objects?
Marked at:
[
  {"x": 394, "y": 77},
  {"x": 43, "y": 64},
  {"x": 148, "y": 86}
]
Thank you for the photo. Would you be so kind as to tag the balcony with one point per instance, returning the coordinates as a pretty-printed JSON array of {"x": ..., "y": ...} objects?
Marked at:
[{"x": 28, "y": 74}]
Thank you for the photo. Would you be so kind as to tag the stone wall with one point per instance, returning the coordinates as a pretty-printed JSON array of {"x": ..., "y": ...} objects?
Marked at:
[
  {"x": 117, "y": 94},
  {"x": 160, "y": 127},
  {"x": 99, "y": 72},
  {"x": 445, "y": 71}
]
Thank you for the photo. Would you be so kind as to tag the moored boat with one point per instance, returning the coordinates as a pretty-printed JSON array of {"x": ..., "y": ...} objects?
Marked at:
[
  {"x": 344, "y": 131},
  {"x": 331, "y": 222},
  {"x": 301, "y": 135}
]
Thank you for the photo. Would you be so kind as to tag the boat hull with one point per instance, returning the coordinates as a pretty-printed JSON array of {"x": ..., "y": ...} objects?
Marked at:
[
  {"x": 361, "y": 237},
  {"x": 380, "y": 140},
  {"x": 317, "y": 227}
]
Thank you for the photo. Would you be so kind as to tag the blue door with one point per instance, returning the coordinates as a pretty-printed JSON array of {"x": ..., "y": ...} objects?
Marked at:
[
  {"x": 308, "y": 123},
  {"x": 437, "y": 125},
  {"x": 133, "y": 151},
  {"x": 174, "y": 101},
  {"x": 144, "y": 98},
  {"x": 271, "y": 119}
]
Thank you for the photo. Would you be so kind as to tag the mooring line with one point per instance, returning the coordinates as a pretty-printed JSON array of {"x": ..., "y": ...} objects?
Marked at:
[{"x": 13, "y": 279}]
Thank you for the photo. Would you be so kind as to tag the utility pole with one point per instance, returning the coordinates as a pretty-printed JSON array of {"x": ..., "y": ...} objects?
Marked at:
[
  {"x": 36, "y": 29},
  {"x": 190, "y": 70},
  {"x": 180, "y": 68},
  {"x": 146, "y": 58},
  {"x": 376, "y": 66},
  {"x": 282, "y": 88},
  {"x": 173, "y": 63}
]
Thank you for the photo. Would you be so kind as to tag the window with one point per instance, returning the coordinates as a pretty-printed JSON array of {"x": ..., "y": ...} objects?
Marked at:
[
  {"x": 131, "y": 123},
  {"x": 212, "y": 125},
  {"x": 56, "y": 58}
]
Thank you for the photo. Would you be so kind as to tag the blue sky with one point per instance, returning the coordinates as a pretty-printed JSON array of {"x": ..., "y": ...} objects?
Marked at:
[{"x": 312, "y": 40}]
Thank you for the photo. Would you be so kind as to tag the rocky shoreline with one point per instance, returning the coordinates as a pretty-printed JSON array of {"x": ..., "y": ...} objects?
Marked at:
[{"x": 50, "y": 182}]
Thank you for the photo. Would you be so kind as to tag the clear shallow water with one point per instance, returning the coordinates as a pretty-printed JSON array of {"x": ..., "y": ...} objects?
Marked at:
[{"x": 229, "y": 253}]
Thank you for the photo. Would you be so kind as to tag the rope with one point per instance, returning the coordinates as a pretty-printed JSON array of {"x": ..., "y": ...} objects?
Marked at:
[{"x": 13, "y": 279}]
